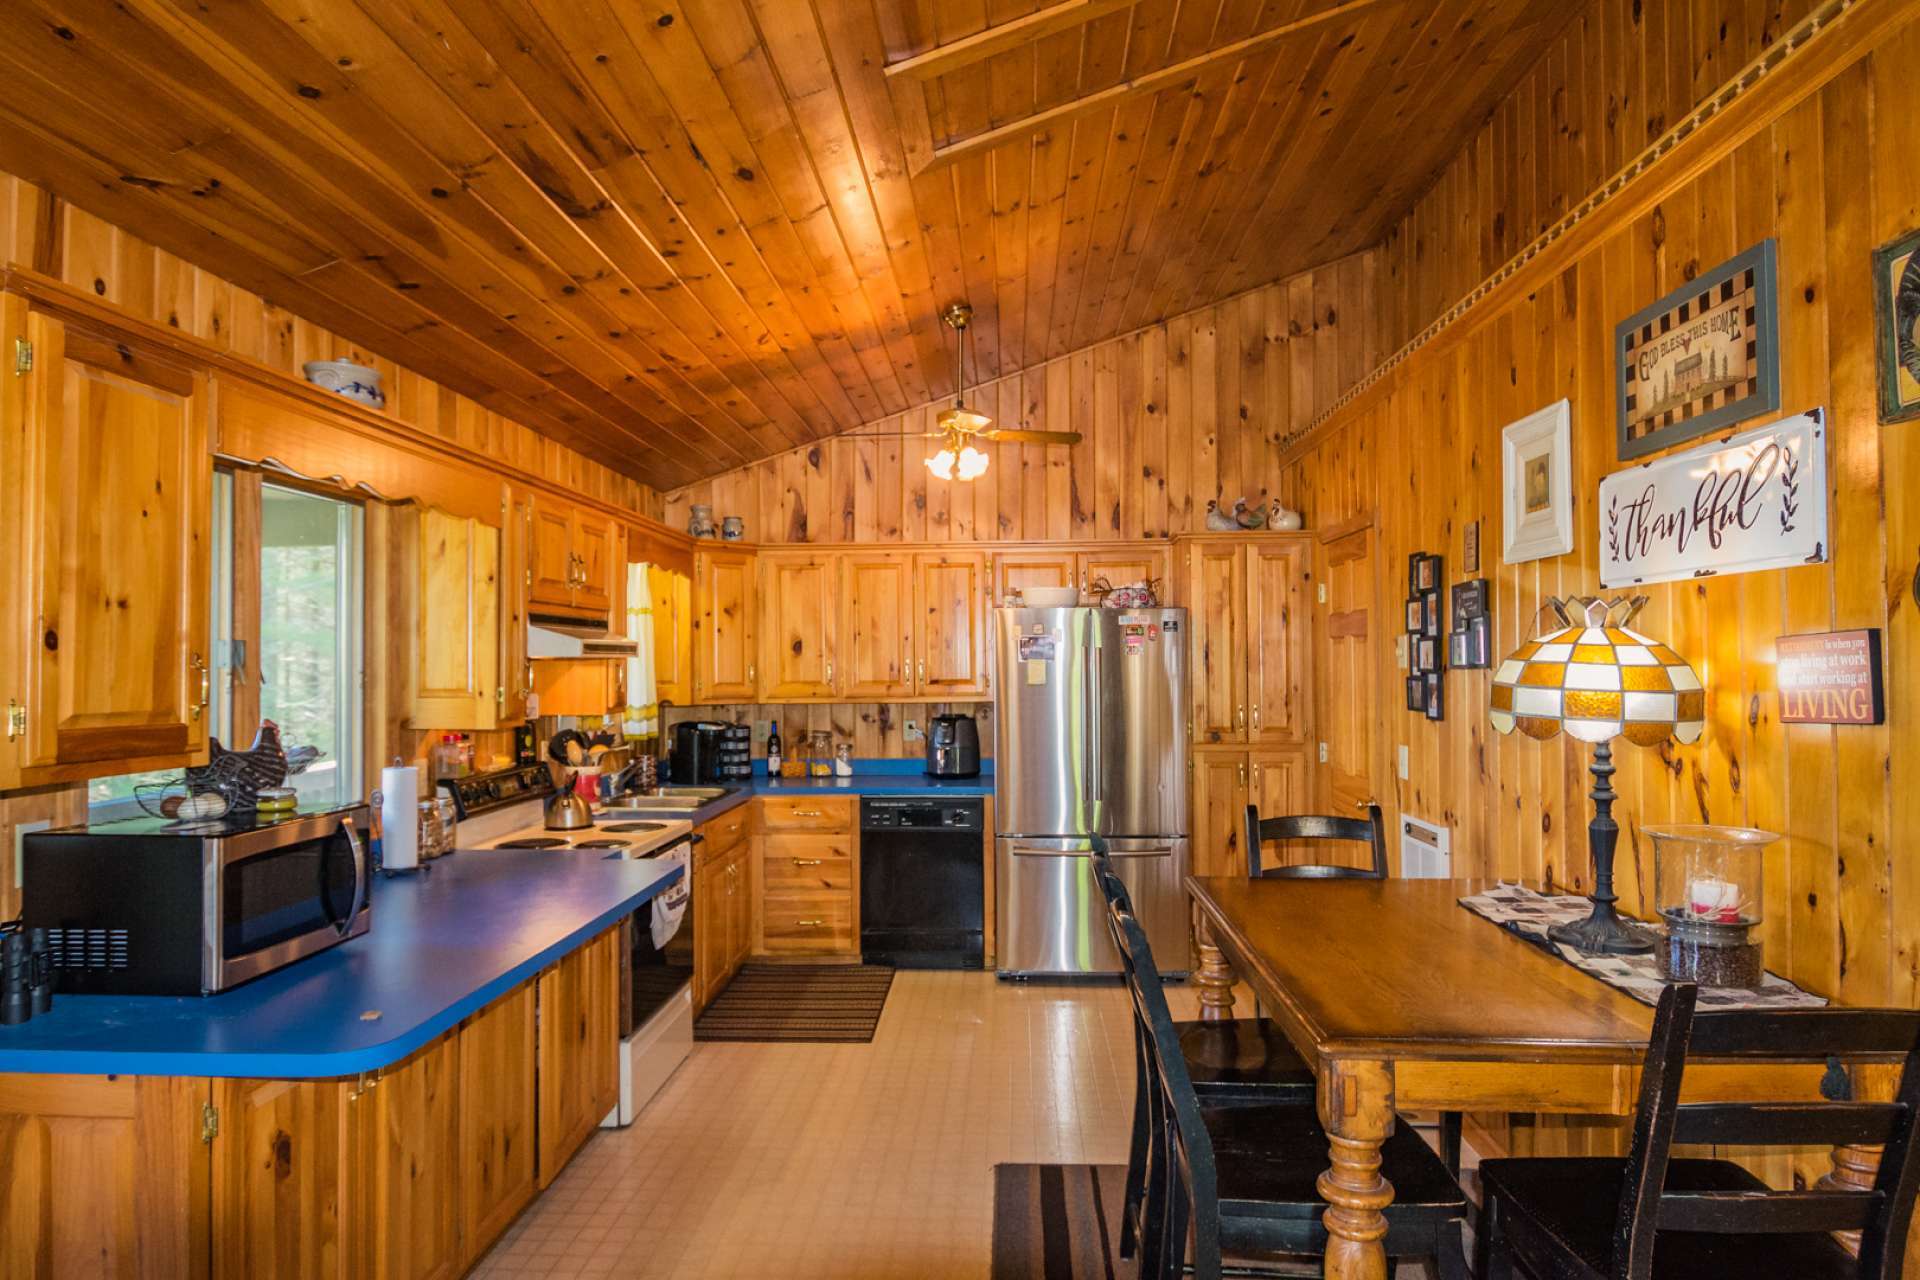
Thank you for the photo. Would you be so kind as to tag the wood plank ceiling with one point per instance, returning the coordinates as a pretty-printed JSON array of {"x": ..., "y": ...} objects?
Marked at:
[{"x": 685, "y": 234}]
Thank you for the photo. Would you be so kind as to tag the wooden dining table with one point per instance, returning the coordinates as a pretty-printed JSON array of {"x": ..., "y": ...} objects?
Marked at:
[{"x": 1404, "y": 1000}]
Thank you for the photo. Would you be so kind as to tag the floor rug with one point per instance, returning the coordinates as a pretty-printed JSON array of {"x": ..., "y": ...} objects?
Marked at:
[
  {"x": 1058, "y": 1222},
  {"x": 778, "y": 1003}
]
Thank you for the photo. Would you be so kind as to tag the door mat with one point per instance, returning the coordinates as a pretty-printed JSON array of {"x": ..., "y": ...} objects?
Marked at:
[
  {"x": 1058, "y": 1222},
  {"x": 775, "y": 1003}
]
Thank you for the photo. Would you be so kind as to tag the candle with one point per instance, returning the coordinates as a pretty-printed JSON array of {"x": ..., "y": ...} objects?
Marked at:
[{"x": 1711, "y": 898}]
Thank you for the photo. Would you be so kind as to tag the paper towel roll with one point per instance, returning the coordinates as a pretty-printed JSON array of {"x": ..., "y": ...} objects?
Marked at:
[{"x": 400, "y": 817}]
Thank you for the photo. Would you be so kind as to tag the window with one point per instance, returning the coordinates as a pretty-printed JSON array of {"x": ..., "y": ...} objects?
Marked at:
[{"x": 302, "y": 653}]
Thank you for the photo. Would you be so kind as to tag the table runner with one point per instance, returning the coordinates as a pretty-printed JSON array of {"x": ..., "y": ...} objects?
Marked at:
[{"x": 1528, "y": 914}]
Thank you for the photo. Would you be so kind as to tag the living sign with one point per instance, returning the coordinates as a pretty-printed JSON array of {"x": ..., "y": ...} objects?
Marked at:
[
  {"x": 1753, "y": 501},
  {"x": 1831, "y": 677}
]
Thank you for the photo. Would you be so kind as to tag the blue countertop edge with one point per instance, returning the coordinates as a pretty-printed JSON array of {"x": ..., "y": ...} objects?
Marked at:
[{"x": 298, "y": 1064}]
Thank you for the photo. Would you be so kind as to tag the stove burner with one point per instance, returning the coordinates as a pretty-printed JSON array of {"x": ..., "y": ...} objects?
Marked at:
[
  {"x": 636, "y": 826},
  {"x": 533, "y": 842},
  {"x": 602, "y": 844}
]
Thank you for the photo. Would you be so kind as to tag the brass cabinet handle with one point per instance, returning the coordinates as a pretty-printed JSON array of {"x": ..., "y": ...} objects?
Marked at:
[
  {"x": 750, "y": 671},
  {"x": 829, "y": 673},
  {"x": 808, "y": 813},
  {"x": 923, "y": 671},
  {"x": 206, "y": 684},
  {"x": 808, "y": 862},
  {"x": 1240, "y": 717},
  {"x": 1256, "y": 717},
  {"x": 1241, "y": 770},
  {"x": 809, "y": 924}
]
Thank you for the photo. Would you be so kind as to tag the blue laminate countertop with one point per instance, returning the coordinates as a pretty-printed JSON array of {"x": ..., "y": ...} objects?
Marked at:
[
  {"x": 443, "y": 945},
  {"x": 870, "y": 778}
]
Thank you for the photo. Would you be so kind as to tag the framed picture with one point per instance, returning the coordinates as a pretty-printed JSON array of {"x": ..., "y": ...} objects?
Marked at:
[
  {"x": 1704, "y": 357},
  {"x": 1536, "y": 470},
  {"x": 1436, "y": 699},
  {"x": 1429, "y": 648},
  {"x": 1896, "y": 326},
  {"x": 1416, "y": 613},
  {"x": 1416, "y": 693},
  {"x": 1470, "y": 547},
  {"x": 1430, "y": 625},
  {"x": 1428, "y": 573},
  {"x": 1413, "y": 572}
]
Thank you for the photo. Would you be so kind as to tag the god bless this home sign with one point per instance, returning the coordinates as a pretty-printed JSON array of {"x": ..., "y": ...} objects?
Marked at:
[{"x": 1757, "y": 500}]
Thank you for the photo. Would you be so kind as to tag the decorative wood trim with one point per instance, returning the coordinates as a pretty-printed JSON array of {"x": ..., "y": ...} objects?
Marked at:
[
  {"x": 1748, "y": 102},
  {"x": 981, "y": 45}
]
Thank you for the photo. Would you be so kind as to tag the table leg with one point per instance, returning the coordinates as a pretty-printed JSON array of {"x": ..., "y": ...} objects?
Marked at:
[
  {"x": 1356, "y": 1108},
  {"x": 1215, "y": 979},
  {"x": 1855, "y": 1168}
]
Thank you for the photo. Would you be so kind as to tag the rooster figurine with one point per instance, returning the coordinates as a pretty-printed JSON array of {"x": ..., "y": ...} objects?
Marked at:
[
  {"x": 1219, "y": 521},
  {"x": 1250, "y": 517},
  {"x": 242, "y": 775}
]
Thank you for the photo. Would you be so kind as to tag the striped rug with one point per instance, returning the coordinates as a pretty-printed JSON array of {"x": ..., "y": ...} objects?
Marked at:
[
  {"x": 825, "y": 1004},
  {"x": 1058, "y": 1222}
]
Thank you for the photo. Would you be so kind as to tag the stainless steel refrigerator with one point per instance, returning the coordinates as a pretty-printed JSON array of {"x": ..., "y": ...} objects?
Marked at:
[{"x": 1089, "y": 741}]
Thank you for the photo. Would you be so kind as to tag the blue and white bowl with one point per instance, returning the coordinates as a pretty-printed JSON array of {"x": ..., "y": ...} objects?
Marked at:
[{"x": 344, "y": 377}]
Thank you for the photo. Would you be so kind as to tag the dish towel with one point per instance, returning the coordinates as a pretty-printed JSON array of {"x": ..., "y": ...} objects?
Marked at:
[
  {"x": 671, "y": 905},
  {"x": 643, "y": 699}
]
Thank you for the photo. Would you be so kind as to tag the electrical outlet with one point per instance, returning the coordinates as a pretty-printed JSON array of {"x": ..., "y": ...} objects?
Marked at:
[
  {"x": 912, "y": 731},
  {"x": 20, "y": 833},
  {"x": 1405, "y": 772}
]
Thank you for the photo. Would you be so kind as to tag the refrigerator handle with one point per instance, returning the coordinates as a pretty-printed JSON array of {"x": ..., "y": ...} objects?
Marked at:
[{"x": 1095, "y": 704}]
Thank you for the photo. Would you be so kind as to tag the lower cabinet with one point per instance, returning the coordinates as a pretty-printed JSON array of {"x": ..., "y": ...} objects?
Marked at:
[
  {"x": 1225, "y": 782},
  {"x": 579, "y": 1050},
  {"x": 407, "y": 1173},
  {"x": 808, "y": 886},
  {"x": 722, "y": 903}
]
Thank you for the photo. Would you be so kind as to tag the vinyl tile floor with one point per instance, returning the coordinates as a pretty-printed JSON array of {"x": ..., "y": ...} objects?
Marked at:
[{"x": 848, "y": 1162}]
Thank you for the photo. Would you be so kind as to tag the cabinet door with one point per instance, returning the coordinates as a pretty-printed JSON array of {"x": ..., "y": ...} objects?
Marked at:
[
  {"x": 1278, "y": 787},
  {"x": 286, "y": 1200},
  {"x": 709, "y": 929},
  {"x": 103, "y": 1176},
  {"x": 118, "y": 556},
  {"x": 579, "y": 1048},
  {"x": 1278, "y": 623},
  {"x": 414, "y": 1165},
  {"x": 724, "y": 595},
  {"x": 496, "y": 1118},
  {"x": 1123, "y": 567},
  {"x": 740, "y": 935},
  {"x": 876, "y": 627},
  {"x": 457, "y": 681},
  {"x": 1017, "y": 570},
  {"x": 516, "y": 675},
  {"x": 672, "y": 635},
  {"x": 807, "y": 900},
  {"x": 594, "y": 563},
  {"x": 1217, "y": 588},
  {"x": 950, "y": 593},
  {"x": 551, "y": 567},
  {"x": 797, "y": 634},
  {"x": 1219, "y": 813}
]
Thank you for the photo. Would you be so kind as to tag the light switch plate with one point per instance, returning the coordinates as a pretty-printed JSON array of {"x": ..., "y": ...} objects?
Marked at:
[
  {"x": 911, "y": 731},
  {"x": 20, "y": 833},
  {"x": 1405, "y": 772},
  {"x": 1400, "y": 650}
]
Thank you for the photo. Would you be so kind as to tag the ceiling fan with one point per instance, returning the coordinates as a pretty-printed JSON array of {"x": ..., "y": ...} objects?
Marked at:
[{"x": 957, "y": 427}]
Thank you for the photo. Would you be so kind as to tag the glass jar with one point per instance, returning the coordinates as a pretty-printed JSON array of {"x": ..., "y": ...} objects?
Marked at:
[
  {"x": 819, "y": 754},
  {"x": 1709, "y": 887}
]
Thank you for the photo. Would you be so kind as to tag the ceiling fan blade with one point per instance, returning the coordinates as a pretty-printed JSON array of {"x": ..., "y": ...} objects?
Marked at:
[{"x": 1019, "y": 435}]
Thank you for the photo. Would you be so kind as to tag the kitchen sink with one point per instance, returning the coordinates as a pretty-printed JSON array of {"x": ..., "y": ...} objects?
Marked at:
[
  {"x": 702, "y": 794},
  {"x": 668, "y": 800}
]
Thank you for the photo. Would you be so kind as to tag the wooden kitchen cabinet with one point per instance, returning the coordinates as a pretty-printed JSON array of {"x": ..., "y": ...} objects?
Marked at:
[
  {"x": 1219, "y": 806},
  {"x": 1279, "y": 620},
  {"x": 950, "y": 599},
  {"x": 497, "y": 1154},
  {"x": 104, "y": 1175},
  {"x": 672, "y": 635},
  {"x": 578, "y": 1037},
  {"x": 409, "y": 1166},
  {"x": 571, "y": 559},
  {"x": 722, "y": 902},
  {"x": 725, "y": 596},
  {"x": 1247, "y": 652},
  {"x": 796, "y": 631},
  {"x": 876, "y": 626},
  {"x": 1124, "y": 566},
  {"x": 113, "y": 556},
  {"x": 1216, "y": 598},
  {"x": 1015, "y": 571},
  {"x": 292, "y": 1196},
  {"x": 808, "y": 882},
  {"x": 596, "y": 544},
  {"x": 457, "y": 678}
]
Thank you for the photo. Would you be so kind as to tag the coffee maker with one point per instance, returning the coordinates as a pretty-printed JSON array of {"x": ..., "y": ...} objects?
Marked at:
[{"x": 953, "y": 747}]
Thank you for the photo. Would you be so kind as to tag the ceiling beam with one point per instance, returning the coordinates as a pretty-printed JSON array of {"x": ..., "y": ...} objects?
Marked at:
[
  {"x": 1150, "y": 82},
  {"x": 981, "y": 45}
]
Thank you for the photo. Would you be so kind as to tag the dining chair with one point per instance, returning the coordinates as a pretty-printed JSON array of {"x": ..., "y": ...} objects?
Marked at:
[
  {"x": 1370, "y": 831},
  {"x": 1241, "y": 1180},
  {"x": 1648, "y": 1216}
]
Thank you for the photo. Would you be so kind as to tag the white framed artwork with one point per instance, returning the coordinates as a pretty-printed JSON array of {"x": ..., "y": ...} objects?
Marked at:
[{"x": 1536, "y": 478}]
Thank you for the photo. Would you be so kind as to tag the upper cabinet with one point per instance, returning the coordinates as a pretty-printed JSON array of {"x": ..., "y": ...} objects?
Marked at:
[
  {"x": 725, "y": 595},
  {"x": 453, "y": 568},
  {"x": 950, "y": 594},
  {"x": 108, "y": 663},
  {"x": 1248, "y": 663},
  {"x": 672, "y": 634},
  {"x": 876, "y": 625},
  {"x": 570, "y": 559},
  {"x": 1015, "y": 571},
  {"x": 797, "y": 631}
]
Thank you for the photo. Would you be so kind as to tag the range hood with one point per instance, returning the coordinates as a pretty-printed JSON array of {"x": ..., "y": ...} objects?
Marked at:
[{"x": 553, "y": 637}]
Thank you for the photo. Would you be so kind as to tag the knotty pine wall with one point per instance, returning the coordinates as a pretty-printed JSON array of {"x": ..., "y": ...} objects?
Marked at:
[
  {"x": 59, "y": 240},
  {"x": 1831, "y": 178}
]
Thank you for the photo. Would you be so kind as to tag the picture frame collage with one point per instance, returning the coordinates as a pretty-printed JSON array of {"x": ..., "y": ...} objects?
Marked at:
[
  {"x": 1426, "y": 640},
  {"x": 1470, "y": 642}
]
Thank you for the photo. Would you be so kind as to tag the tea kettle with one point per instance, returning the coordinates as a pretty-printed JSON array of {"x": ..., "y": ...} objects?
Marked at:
[{"x": 567, "y": 809}]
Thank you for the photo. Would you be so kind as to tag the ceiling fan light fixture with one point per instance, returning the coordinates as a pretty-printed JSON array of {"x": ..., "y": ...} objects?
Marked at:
[
  {"x": 973, "y": 463},
  {"x": 941, "y": 464}
]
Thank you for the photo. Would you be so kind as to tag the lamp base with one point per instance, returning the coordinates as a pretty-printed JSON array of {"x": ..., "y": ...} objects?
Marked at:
[{"x": 1604, "y": 933}]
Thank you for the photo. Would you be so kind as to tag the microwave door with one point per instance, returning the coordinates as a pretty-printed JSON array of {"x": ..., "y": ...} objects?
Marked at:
[{"x": 281, "y": 893}]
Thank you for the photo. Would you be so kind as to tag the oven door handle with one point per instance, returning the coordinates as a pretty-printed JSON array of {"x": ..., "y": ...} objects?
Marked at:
[{"x": 360, "y": 877}]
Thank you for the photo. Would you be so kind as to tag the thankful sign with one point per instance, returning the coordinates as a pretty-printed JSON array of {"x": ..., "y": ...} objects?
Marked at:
[
  {"x": 1831, "y": 677},
  {"x": 1757, "y": 500}
]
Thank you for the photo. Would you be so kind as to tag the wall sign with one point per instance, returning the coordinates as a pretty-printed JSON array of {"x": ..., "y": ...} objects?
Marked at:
[
  {"x": 1705, "y": 356},
  {"x": 1831, "y": 677},
  {"x": 1757, "y": 500},
  {"x": 1896, "y": 326}
]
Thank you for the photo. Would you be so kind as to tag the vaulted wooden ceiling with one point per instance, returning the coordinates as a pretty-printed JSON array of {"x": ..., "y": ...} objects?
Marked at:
[{"x": 685, "y": 234}]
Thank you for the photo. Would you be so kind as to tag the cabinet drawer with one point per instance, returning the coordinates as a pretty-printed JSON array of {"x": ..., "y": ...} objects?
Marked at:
[
  {"x": 724, "y": 832},
  {"x": 805, "y": 813},
  {"x": 802, "y": 864},
  {"x": 807, "y": 923}
]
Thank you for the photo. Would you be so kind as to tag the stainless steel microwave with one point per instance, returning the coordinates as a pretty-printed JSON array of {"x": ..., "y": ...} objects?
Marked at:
[{"x": 149, "y": 907}]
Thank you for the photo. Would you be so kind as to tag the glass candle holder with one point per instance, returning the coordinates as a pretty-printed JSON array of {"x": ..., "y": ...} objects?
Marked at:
[{"x": 1709, "y": 886}]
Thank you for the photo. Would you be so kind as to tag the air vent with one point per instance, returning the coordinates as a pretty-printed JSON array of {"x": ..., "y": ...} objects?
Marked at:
[{"x": 88, "y": 949}]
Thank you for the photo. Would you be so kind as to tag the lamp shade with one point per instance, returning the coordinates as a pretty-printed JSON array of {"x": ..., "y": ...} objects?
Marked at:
[{"x": 1597, "y": 680}]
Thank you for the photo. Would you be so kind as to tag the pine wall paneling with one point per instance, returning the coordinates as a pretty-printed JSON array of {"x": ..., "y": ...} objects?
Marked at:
[{"x": 1420, "y": 453}]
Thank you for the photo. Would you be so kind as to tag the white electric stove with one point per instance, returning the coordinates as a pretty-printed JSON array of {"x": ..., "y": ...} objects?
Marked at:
[{"x": 505, "y": 810}]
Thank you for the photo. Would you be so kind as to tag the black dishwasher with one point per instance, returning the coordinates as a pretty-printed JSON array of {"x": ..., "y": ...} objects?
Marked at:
[{"x": 922, "y": 882}]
